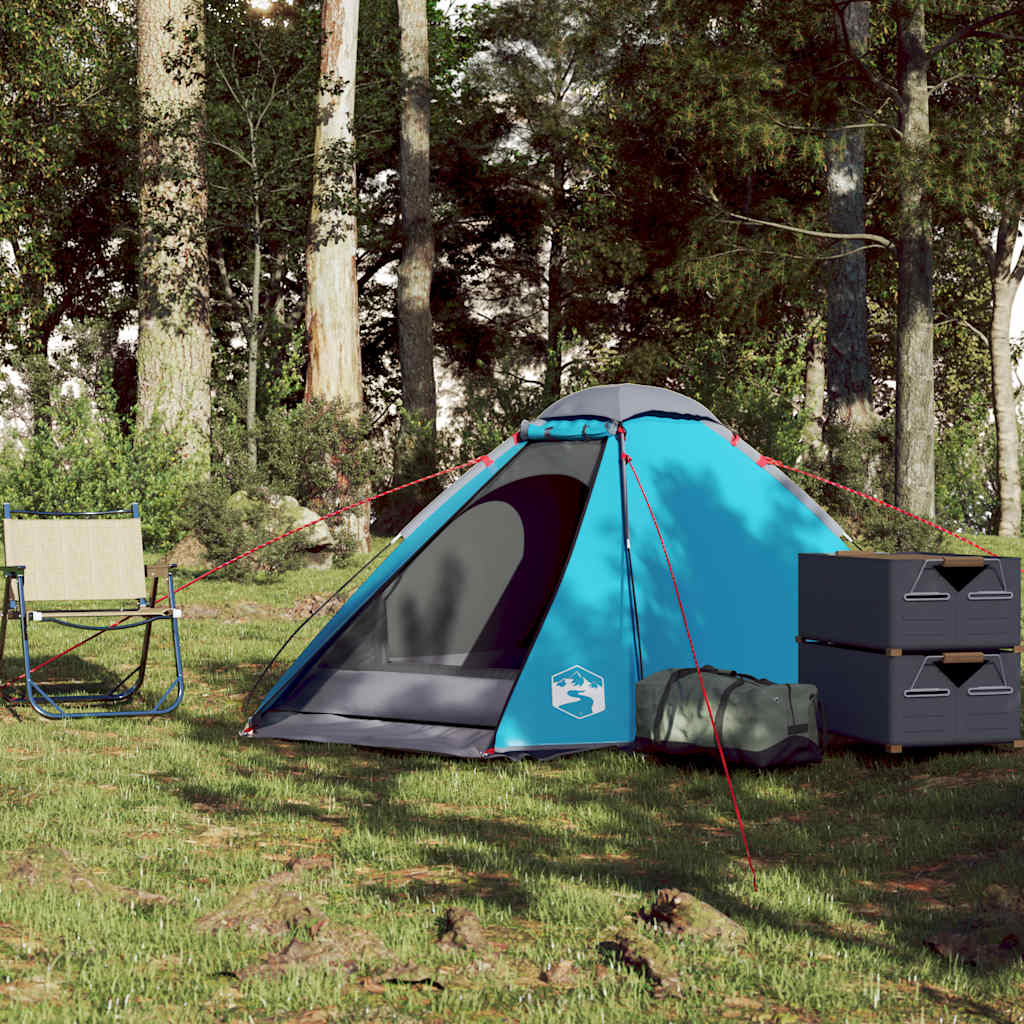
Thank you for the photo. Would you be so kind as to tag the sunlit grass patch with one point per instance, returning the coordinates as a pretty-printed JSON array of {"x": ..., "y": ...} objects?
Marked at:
[{"x": 119, "y": 838}]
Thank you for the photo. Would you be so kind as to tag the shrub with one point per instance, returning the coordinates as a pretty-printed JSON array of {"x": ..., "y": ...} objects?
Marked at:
[
  {"x": 229, "y": 523},
  {"x": 85, "y": 463},
  {"x": 314, "y": 451}
]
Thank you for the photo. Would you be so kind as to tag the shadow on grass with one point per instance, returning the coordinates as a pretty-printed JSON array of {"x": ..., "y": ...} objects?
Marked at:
[{"x": 665, "y": 824}]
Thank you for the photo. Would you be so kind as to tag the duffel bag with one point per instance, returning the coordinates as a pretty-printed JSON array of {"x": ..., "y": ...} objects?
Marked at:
[{"x": 760, "y": 723}]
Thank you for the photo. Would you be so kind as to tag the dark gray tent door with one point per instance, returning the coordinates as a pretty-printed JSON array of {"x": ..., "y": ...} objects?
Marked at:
[{"x": 443, "y": 641}]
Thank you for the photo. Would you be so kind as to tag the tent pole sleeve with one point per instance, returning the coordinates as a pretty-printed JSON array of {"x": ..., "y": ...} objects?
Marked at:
[{"x": 620, "y": 433}]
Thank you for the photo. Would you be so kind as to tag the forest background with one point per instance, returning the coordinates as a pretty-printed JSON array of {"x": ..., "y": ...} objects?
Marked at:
[{"x": 253, "y": 233}]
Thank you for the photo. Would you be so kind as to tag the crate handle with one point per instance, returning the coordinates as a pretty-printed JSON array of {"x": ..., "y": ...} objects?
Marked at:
[
  {"x": 992, "y": 595},
  {"x": 926, "y": 691},
  {"x": 926, "y": 595}
]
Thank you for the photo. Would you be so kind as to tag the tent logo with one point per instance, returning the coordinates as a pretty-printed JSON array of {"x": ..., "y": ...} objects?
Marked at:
[{"x": 578, "y": 692}]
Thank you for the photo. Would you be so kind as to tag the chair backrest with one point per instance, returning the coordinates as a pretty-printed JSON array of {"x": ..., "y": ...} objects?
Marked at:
[{"x": 77, "y": 559}]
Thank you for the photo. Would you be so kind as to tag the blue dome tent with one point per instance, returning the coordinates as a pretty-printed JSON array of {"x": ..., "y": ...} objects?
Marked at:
[{"x": 525, "y": 602}]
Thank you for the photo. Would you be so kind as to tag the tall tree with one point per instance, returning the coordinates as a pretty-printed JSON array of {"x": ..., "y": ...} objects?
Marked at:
[
  {"x": 262, "y": 86},
  {"x": 848, "y": 362},
  {"x": 174, "y": 349},
  {"x": 1005, "y": 266},
  {"x": 332, "y": 302},
  {"x": 416, "y": 442},
  {"x": 334, "y": 373},
  {"x": 543, "y": 69},
  {"x": 915, "y": 362},
  {"x": 980, "y": 123}
]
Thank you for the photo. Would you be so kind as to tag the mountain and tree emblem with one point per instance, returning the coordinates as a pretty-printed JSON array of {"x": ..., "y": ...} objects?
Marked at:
[{"x": 578, "y": 692}]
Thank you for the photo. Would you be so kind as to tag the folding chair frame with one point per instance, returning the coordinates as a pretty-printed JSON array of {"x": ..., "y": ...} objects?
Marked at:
[{"x": 48, "y": 698}]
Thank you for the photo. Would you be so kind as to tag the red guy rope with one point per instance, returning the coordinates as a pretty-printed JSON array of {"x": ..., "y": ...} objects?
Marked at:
[
  {"x": 267, "y": 543},
  {"x": 700, "y": 677},
  {"x": 767, "y": 461}
]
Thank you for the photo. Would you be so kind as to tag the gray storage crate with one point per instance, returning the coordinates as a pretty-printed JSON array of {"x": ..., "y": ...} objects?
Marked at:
[
  {"x": 910, "y": 602},
  {"x": 916, "y": 699}
]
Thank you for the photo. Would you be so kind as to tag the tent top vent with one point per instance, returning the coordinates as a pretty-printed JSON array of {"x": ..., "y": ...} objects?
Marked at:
[{"x": 621, "y": 402}]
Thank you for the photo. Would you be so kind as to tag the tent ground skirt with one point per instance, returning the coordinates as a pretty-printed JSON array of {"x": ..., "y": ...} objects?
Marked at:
[{"x": 453, "y": 740}]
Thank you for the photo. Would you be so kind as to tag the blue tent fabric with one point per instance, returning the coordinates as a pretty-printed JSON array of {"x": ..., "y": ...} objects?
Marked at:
[
  {"x": 586, "y": 639},
  {"x": 603, "y": 608}
]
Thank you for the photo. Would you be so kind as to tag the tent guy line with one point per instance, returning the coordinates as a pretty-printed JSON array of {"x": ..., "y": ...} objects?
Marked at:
[
  {"x": 768, "y": 461},
  {"x": 627, "y": 459},
  {"x": 485, "y": 459},
  {"x": 764, "y": 460}
]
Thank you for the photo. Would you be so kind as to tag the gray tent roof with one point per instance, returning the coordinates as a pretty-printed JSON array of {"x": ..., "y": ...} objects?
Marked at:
[{"x": 620, "y": 402}]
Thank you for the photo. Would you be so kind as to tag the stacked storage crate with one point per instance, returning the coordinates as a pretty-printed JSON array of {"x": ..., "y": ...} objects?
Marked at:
[{"x": 913, "y": 649}]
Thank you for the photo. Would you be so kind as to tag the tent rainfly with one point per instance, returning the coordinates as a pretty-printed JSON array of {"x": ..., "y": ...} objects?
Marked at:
[{"x": 525, "y": 602}]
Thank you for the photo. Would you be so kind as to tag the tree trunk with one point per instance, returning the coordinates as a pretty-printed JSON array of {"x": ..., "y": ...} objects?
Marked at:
[
  {"x": 848, "y": 364},
  {"x": 1006, "y": 279},
  {"x": 915, "y": 370},
  {"x": 814, "y": 396},
  {"x": 251, "y": 378},
  {"x": 555, "y": 288},
  {"x": 332, "y": 307},
  {"x": 417, "y": 448},
  {"x": 174, "y": 349},
  {"x": 553, "y": 353},
  {"x": 335, "y": 372}
]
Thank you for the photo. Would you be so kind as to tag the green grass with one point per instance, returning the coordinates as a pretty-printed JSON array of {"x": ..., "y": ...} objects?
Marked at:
[{"x": 858, "y": 859}]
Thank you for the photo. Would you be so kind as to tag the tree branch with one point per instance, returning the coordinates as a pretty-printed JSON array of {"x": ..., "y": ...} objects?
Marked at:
[
  {"x": 973, "y": 29},
  {"x": 879, "y": 241},
  {"x": 984, "y": 243},
  {"x": 745, "y": 249},
  {"x": 865, "y": 69},
  {"x": 958, "y": 322},
  {"x": 236, "y": 153},
  {"x": 823, "y": 130}
]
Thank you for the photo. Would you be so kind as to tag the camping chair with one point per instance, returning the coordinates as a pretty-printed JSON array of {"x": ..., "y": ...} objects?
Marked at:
[{"x": 81, "y": 560}]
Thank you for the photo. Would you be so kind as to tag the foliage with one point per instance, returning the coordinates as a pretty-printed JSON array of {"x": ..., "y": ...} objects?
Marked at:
[
  {"x": 230, "y": 523},
  {"x": 312, "y": 452},
  {"x": 68, "y": 182},
  {"x": 86, "y": 463},
  {"x": 263, "y": 67},
  {"x": 966, "y": 495}
]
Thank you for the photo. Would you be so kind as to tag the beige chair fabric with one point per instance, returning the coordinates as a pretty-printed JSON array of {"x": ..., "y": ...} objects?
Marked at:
[{"x": 77, "y": 559}]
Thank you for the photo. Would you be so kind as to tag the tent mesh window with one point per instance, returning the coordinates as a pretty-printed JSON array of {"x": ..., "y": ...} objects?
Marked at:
[{"x": 471, "y": 601}]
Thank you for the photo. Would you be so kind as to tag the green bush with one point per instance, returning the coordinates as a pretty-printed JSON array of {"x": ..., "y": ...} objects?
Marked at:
[
  {"x": 85, "y": 463},
  {"x": 314, "y": 452},
  {"x": 229, "y": 523}
]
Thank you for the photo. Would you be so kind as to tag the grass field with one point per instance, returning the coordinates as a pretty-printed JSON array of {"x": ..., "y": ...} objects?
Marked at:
[{"x": 169, "y": 870}]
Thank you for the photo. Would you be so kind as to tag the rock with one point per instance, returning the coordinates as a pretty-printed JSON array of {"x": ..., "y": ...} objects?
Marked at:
[
  {"x": 327, "y": 946},
  {"x": 993, "y": 938},
  {"x": 317, "y": 542},
  {"x": 682, "y": 915},
  {"x": 189, "y": 553},
  {"x": 462, "y": 930},
  {"x": 304, "y": 607},
  {"x": 981, "y": 945},
  {"x": 271, "y": 906},
  {"x": 644, "y": 956},
  {"x": 277, "y": 912},
  {"x": 563, "y": 973}
]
